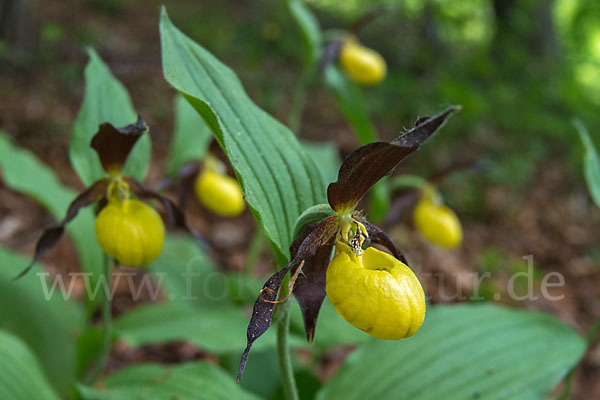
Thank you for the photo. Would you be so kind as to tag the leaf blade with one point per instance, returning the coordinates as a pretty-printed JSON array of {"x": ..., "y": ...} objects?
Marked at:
[
  {"x": 46, "y": 323},
  {"x": 279, "y": 179},
  {"x": 461, "y": 352},
  {"x": 591, "y": 162},
  {"x": 190, "y": 381},
  {"x": 20, "y": 375},
  {"x": 24, "y": 173},
  {"x": 105, "y": 100}
]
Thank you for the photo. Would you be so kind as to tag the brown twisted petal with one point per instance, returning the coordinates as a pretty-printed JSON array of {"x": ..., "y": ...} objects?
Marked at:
[{"x": 314, "y": 238}]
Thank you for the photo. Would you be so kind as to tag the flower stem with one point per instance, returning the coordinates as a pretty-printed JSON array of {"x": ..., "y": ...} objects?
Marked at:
[
  {"x": 590, "y": 338},
  {"x": 106, "y": 326},
  {"x": 257, "y": 245},
  {"x": 298, "y": 101},
  {"x": 285, "y": 358}
]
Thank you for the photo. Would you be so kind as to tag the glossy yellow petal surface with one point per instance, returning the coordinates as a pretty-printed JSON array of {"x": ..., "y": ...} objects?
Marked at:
[
  {"x": 219, "y": 193},
  {"x": 438, "y": 223},
  {"x": 376, "y": 293},
  {"x": 130, "y": 231},
  {"x": 361, "y": 64}
]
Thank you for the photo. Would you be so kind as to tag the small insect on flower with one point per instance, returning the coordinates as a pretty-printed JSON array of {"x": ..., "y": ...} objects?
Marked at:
[
  {"x": 362, "y": 64},
  {"x": 437, "y": 222},
  {"x": 217, "y": 191},
  {"x": 127, "y": 229},
  {"x": 375, "y": 291}
]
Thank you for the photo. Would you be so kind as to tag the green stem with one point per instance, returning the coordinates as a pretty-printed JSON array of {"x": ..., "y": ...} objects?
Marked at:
[
  {"x": 590, "y": 337},
  {"x": 257, "y": 245},
  {"x": 298, "y": 101},
  {"x": 407, "y": 181},
  {"x": 106, "y": 326},
  {"x": 288, "y": 381}
]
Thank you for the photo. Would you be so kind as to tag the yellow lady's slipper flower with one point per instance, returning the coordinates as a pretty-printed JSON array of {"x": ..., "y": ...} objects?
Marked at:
[
  {"x": 375, "y": 292},
  {"x": 220, "y": 193},
  {"x": 130, "y": 231},
  {"x": 438, "y": 223},
  {"x": 361, "y": 64}
]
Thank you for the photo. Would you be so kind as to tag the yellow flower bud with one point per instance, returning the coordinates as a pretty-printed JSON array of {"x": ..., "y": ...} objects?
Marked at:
[
  {"x": 130, "y": 231},
  {"x": 220, "y": 193},
  {"x": 438, "y": 223},
  {"x": 375, "y": 292},
  {"x": 361, "y": 64}
]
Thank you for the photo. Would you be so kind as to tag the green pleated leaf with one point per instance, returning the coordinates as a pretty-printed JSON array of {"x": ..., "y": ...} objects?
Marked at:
[
  {"x": 41, "y": 317},
  {"x": 463, "y": 352},
  {"x": 22, "y": 172},
  {"x": 21, "y": 377},
  {"x": 309, "y": 28},
  {"x": 191, "y": 381},
  {"x": 279, "y": 179},
  {"x": 591, "y": 163},
  {"x": 351, "y": 103},
  {"x": 190, "y": 139},
  {"x": 105, "y": 100},
  {"x": 216, "y": 329}
]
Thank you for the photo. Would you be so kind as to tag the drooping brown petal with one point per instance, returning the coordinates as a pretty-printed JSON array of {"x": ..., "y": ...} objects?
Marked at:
[
  {"x": 305, "y": 248},
  {"x": 262, "y": 313},
  {"x": 369, "y": 163},
  {"x": 378, "y": 236},
  {"x": 174, "y": 213},
  {"x": 51, "y": 235},
  {"x": 114, "y": 144},
  {"x": 309, "y": 288}
]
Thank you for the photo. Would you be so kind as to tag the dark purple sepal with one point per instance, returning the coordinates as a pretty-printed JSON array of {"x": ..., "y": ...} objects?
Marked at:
[
  {"x": 52, "y": 234},
  {"x": 113, "y": 144},
  {"x": 369, "y": 163}
]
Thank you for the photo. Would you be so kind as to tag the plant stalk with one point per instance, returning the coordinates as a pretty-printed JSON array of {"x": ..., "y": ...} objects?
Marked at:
[
  {"x": 106, "y": 326},
  {"x": 298, "y": 101},
  {"x": 286, "y": 368},
  {"x": 590, "y": 337}
]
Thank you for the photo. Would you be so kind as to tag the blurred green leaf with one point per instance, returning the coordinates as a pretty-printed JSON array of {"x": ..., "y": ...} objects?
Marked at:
[
  {"x": 23, "y": 172},
  {"x": 262, "y": 377},
  {"x": 279, "y": 179},
  {"x": 591, "y": 162},
  {"x": 191, "y": 381},
  {"x": 105, "y": 100},
  {"x": 310, "y": 30},
  {"x": 463, "y": 352},
  {"x": 47, "y": 324},
  {"x": 350, "y": 101},
  {"x": 216, "y": 329},
  {"x": 191, "y": 137},
  {"x": 20, "y": 375},
  {"x": 327, "y": 156},
  {"x": 188, "y": 275}
]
